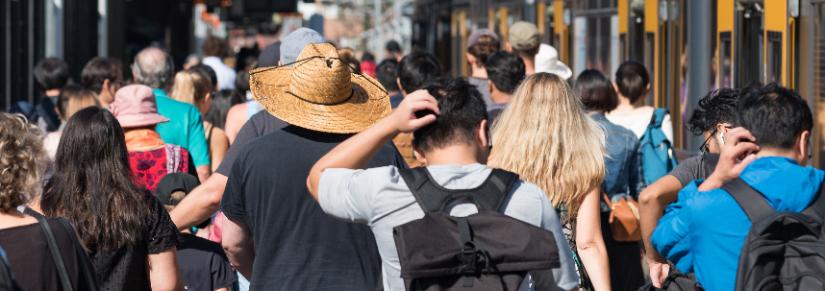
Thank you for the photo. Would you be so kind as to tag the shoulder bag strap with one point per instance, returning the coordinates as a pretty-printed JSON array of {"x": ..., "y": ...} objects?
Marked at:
[
  {"x": 750, "y": 200},
  {"x": 817, "y": 207},
  {"x": 58, "y": 259},
  {"x": 418, "y": 180},
  {"x": 658, "y": 117},
  {"x": 85, "y": 264}
]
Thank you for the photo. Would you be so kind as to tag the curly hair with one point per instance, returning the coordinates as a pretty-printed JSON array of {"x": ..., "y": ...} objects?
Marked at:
[
  {"x": 718, "y": 106},
  {"x": 22, "y": 160}
]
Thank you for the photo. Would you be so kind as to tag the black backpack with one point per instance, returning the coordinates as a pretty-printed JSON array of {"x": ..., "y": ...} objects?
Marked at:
[
  {"x": 484, "y": 251},
  {"x": 783, "y": 250}
]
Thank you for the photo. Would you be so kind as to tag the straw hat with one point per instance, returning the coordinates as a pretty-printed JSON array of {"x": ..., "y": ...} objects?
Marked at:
[{"x": 320, "y": 92}]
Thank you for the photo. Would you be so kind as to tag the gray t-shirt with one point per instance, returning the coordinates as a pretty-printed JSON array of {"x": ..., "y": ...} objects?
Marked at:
[
  {"x": 484, "y": 88},
  {"x": 695, "y": 168},
  {"x": 380, "y": 198}
]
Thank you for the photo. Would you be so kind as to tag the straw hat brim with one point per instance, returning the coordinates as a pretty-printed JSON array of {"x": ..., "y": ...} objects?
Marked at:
[{"x": 368, "y": 103}]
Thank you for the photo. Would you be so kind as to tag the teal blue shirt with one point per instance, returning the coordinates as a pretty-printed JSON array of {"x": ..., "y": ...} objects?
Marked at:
[
  {"x": 184, "y": 128},
  {"x": 703, "y": 232}
]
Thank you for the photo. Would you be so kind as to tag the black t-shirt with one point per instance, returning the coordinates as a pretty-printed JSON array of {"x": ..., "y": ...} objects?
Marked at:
[
  {"x": 695, "y": 168},
  {"x": 259, "y": 125},
  {"x": 127, "y": 268},
  {"x": 203, "y": 264},
  {"x": 31, "y": 260},
  {"x": 297, "y": 245}
]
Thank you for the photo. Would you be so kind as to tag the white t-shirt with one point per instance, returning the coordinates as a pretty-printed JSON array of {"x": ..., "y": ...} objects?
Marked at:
[
  {"x": 226, "y": 75},
  {"x": 639, "y": 119},
  {"x": 380, "y": 198}
]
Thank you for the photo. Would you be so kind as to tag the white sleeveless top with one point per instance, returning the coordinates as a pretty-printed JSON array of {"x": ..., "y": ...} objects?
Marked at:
[{"x": 638, "y": 121}]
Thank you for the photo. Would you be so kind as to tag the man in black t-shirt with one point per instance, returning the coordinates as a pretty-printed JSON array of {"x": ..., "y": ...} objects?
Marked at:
[{"x": 274, "y": 231}]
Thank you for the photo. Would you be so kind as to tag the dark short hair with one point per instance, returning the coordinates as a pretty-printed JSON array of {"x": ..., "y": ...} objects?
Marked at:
[
  {"x": 387, "y": 74},
  {"x": 505, "y": 70},
  {"x": 718, "y": 106},
  {"x": 528, "y": 53},
  {"x": 632, "y": 80},
  {"x": 462, "y": 109},
  {"x": 207, "y": 72},
  {"x": 222, "y": 101},
  {"x": 51, "y": 73},
  {"x": 215, "y": 46},
  {"x": 367, "y": 56},
  {"x": 484, "y": 48},
  {"x": 775, "y": 115},
  {"x": 98, "y": 70},
  {"x": 393, "y": 46},
  {"x": 417, "y": 69},
  {"x": 241, "y": 82},
  {"x": 595, "y": 91}
]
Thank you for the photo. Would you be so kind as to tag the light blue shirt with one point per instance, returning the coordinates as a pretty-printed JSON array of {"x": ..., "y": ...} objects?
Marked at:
[
  {"x": 703, "y": 232},
  {"x": 184, "y": 128},
  {"x": 380, "y": 198}
]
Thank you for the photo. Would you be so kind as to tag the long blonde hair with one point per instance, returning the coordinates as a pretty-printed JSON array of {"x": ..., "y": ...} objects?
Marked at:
[
  {"x": 190, "y": 87},
  {"x": 545, "y": 136}
]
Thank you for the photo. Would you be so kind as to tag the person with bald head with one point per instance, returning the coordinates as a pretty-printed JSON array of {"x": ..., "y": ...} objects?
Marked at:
[{"x": 153, "y": 67}]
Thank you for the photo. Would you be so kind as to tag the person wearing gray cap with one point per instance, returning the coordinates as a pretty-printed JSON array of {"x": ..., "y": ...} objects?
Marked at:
[
  {"x": 524, "y": 41},
  {"x": 481, "y": 44}
]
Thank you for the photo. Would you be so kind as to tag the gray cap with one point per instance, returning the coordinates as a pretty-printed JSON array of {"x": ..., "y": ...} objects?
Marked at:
[
  {"x": 478, "y": 33},
  {"x": 294, "y": 43}
]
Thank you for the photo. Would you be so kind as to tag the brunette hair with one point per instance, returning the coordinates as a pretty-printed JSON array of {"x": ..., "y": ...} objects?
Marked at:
[{"x": 92, "y": 185}]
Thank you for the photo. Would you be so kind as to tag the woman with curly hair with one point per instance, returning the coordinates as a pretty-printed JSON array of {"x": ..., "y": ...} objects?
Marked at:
[
  {"x": 545, "y": 136},
  {"x": 714, "y": 117},
  {"x": 22, "y": 237},
  {"x": 127, "y": 233}
]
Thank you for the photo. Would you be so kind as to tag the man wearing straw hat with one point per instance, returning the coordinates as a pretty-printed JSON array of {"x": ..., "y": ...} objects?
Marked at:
[{"x": 275, "y": 232}]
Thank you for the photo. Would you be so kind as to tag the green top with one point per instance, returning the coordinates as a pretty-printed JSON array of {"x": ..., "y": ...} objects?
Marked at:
[{"x": 184, "y": 128}]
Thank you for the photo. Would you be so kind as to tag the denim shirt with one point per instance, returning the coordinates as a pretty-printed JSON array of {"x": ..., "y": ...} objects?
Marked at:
[{"x": 621, "y": 160}]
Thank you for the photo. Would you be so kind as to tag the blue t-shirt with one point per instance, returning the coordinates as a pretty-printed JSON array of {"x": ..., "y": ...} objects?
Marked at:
[
  {"x": 184, "y": 128},
  {"x": 703, "y": 232}
]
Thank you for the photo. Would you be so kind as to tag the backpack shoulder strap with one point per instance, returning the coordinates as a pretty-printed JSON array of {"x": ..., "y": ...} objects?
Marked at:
[
  {"x": 55, "y": 251},
  {"x": 750, "y": 200},
  {"x": 432, "y": 197},
  {"x": 817, "y": 207},
  {"x": 658, "y": 117},
  {"x": 421, "y": 185},
  {"x": 495, "y": 190}
]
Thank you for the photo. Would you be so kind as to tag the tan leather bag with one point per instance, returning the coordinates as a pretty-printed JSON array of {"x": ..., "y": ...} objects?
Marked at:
[{"x": 624, "y": 219}]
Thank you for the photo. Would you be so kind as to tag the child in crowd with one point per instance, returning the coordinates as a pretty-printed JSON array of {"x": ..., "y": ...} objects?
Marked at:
[{"x": 202, "y": 263}]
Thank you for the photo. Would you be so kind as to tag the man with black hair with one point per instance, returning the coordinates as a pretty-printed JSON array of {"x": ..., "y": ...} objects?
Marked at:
[
  {"x": 393, "y": 51},
  {"x": 387, "y": 74},
  {"x": 452, "y": 141},
  {"x": 51, "y": 75},
  {"x": 103, "y": 76},
  {"x": 415, "y": 71},
  {"x": 704, "y": 232},
  {"x": 505, "y": 71}
]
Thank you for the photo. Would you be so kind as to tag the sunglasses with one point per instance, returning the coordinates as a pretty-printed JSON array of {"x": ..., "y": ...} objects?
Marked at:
[{"x": 705, "y": 147}]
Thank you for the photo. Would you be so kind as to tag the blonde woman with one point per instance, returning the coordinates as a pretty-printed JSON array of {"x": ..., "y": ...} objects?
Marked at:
[
  {"x": 545, "y": 137},
  {"x": 195, "y": 87}
]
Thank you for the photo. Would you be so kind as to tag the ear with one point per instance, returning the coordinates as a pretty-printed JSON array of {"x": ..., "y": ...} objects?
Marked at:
[
  {"x": 508, "y": 47},
  {"x": 105, "y": 86},
  {"x": 483, "y": 134},
  {"x": 419, "y": 157},
  {"x": 803, "y": 146},
  {"x": 401, "y": 88},
  {"x": 470, "y": 59},
  {"x": 490, "y": 86}
]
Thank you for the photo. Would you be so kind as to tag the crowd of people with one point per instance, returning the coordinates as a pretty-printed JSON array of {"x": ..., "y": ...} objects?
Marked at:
[{"x": 313, "y": 169}]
